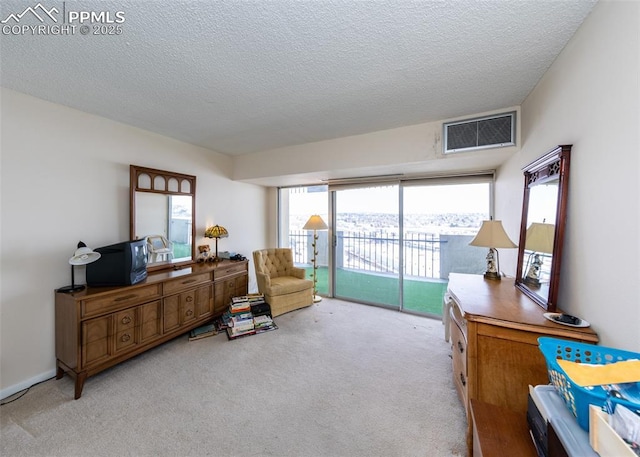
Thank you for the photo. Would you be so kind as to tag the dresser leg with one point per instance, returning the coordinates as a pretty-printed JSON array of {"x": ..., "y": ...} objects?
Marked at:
[
  {"x": 80, "y": 379},
  {"x": 59, "y": 371},
  {"x": 469, "y": 438}
]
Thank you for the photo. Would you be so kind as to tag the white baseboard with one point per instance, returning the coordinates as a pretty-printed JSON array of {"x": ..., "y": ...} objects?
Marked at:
[{"x": 4, "y": 393}]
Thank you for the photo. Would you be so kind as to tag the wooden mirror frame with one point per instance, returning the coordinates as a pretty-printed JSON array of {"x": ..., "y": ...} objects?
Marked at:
[
  {"x": 552, "y": 166},
  {"x": 156, "y": 186}
]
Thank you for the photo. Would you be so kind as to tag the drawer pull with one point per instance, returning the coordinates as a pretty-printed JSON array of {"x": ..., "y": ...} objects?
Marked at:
[
  {"x": 126, "y": 297},
  {"x": 460, "y": 347},
  {"x": 126, "y": 337},
  {"x": 189, "y": 312},
  {"x": 188, "y": 281},
  {"x": 462, "y": 380},
  {"x": 189, "y": 299},
  {"x": 126, "y": 320}
]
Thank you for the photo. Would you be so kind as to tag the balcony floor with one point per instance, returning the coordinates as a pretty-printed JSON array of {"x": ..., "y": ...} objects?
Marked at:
[{"x": 422, "y": 296}]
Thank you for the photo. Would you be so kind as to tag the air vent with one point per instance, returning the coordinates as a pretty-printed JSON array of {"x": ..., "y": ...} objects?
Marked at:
[{"x": 495, "y": 131}]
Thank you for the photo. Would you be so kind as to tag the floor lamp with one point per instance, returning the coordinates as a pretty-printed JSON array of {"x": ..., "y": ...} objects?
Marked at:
[{"x": 315, "y": 223}]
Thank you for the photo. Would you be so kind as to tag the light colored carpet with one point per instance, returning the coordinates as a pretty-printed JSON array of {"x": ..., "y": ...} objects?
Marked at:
[{"x": 336, "y": 379}]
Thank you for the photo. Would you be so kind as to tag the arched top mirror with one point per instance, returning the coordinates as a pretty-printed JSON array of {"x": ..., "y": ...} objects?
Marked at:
[
  {"x": 162, "y": 211},
  {"x": 544, "y": 210}
]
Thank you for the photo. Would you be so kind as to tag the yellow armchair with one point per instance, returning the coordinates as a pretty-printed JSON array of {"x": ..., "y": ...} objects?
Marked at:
[{"x": 284, "y": 286}]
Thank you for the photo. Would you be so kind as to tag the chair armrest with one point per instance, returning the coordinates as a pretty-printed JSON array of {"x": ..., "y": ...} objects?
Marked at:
[
  {"x": 298, "y": 272},
  {"x": 264, "y": 282}
]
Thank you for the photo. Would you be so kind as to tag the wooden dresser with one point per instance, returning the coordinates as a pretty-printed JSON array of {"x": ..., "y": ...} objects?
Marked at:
[
  {"x": 494, "y": 330},
  {"x": 102, "y": 326}
]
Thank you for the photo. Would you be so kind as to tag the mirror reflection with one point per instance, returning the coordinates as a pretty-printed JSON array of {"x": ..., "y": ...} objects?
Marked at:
[
  {"x": 544, "y": 210},
  {"x": 165, "y": 221},
  {"x": 162, "y": 211},
  {"x": 539, "y": 241}
]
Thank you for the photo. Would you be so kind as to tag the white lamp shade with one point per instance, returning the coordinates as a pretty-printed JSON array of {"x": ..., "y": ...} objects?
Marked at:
[
  {"x": 492, "y": 235},
  {"x": 315, "y": 222},
  {"x": 540, "y": 237},
  {"x": 83, "y": 256}
]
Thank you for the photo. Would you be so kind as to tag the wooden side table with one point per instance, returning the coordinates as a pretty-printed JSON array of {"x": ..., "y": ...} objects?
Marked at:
[{"x": 498, "y": 431}]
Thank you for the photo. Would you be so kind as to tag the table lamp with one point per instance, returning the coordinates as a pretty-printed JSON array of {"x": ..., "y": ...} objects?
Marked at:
[
  {"x": 216, "y": 232},
  {"x": 315, "y": 223},
  {"x": 538, "y": 239},
  {"x": 492, "y": 235},
  {"x": 82, "y": 256}
]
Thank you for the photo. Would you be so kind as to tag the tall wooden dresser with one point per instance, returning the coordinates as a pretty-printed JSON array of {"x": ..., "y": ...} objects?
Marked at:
[
  {"x": 494, "y": 330},
  {"x": 102, "y": 326}
]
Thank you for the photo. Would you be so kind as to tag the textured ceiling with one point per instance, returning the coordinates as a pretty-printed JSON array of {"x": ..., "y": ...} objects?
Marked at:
[{"x": 245, "y": 76}]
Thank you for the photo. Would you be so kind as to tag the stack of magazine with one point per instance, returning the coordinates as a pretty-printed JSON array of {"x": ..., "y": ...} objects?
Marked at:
[
  {"x": 203, "y": 331},
  {"x": 263, "y": 323},
  {"x": 240, "y": 320}
]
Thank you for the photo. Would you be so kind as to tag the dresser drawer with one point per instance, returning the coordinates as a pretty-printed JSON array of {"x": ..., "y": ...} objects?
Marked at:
[
  {"x": 176, "y": 285},
  {"x": 112, "y": 302},
  {"x": 125, "y": 339},
  {"x": 95, "y": 340},
  {"x": 459, "y": 361},
  {"x": 125, "y": 319},
  {"x": 230, "y": 270},
  {"x": 456, "y": 316}
]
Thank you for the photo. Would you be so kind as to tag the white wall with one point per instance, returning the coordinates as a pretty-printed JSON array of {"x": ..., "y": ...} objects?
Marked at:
[
  {"x": 415, "y": 147},
  {"x": 65, "y": 178},
  {"x": 590, "y": 98}
]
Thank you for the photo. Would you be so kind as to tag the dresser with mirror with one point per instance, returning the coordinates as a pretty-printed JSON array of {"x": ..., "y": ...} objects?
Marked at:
[
  {"x": 99, "y": 327},
  {"x": 494, "y": 325}
]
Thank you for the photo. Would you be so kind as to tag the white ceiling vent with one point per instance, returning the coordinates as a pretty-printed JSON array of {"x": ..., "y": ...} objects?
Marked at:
[{"x": 496, "y": 131}]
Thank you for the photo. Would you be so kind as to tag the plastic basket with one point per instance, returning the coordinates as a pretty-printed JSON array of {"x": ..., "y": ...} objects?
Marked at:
[{"x": 579, "y": 398}]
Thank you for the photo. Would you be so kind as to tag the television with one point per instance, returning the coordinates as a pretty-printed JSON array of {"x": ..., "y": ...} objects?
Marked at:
[{"x": 120, "y": 264}]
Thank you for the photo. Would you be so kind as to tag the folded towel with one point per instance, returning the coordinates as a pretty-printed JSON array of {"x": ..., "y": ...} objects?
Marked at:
[{"x": 584, "y": 374}]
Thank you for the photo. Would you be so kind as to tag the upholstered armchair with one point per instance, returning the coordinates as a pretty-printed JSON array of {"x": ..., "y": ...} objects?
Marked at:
[{"x": 284, "y": 286}]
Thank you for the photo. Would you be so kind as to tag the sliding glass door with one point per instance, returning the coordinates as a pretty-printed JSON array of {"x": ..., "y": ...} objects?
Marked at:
[
  {"x": 440, "y": 218},
  {"x": 296, "y": 206},
  {"x": 390, "y": 244},
  {"x": 367, "y": 244}
]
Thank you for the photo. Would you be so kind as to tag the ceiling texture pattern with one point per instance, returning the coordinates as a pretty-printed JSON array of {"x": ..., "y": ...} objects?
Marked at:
[{"x": 247, "y": 76}]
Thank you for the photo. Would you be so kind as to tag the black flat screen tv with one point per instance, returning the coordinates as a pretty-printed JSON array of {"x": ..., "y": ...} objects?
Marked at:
[{"x": 120, "y": 264}]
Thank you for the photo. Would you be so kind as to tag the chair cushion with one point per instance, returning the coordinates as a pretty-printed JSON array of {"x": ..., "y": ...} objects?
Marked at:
[{"x": 288, "y": 285}]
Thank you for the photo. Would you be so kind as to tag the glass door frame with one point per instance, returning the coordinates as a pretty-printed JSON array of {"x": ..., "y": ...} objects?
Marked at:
[
  {"x": 333, "y": 208},
  {"x": 401, "y": 182}
]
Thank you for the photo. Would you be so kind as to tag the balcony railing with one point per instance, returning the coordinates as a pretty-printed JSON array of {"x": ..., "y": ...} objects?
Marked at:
[
  {"x": 425, "y": 255},
  {"x": 427, "y": 260}
]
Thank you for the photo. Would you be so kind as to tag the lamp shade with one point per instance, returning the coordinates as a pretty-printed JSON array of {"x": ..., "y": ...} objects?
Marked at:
[
  {"x": 492, "y": 235},
  {"x": 84, "y": 255},
  {"x": 217, "y": 231},
  {"x": 315, "y": 222},
  {"x": 540, "y": 237}
]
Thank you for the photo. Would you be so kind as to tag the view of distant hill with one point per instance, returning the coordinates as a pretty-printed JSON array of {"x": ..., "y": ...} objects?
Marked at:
[{"x": 448, "y": 223}]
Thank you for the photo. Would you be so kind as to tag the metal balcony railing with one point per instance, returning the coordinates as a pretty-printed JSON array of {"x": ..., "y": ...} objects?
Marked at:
[{"x": 376, "y": 252}]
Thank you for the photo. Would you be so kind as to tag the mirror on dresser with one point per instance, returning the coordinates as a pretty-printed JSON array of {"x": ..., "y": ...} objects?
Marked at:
[
  {"x": 162, "y": 210},
  {"x": 544, "y": 209}
]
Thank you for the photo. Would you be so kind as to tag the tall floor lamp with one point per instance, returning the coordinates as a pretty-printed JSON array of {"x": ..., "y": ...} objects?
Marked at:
[
  {"x": 315, "y": 223},
  {"x": 492, "y": 235}
]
